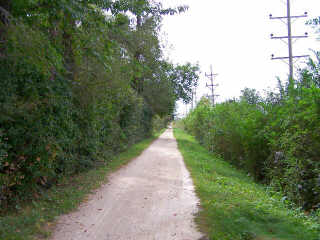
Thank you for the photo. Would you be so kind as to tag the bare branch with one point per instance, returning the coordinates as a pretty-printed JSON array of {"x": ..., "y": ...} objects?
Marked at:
[{"x": 4, "y": 16}]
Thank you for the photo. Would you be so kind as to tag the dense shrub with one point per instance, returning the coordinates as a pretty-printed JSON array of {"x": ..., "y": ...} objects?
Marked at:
[
  {"x": 46, "y": 131},
  {"x": 275, "y": 139},
  {"x": 294, "y": 139},
  {"x": 79, "y": 82},
  {"x": 233, "y": 129}
]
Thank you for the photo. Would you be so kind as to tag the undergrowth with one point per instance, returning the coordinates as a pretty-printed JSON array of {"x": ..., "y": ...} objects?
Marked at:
[
  {"x": 234, "y": 207},
  {"x": 35, "y": 220},
  {"x": 275, "y": 138}
]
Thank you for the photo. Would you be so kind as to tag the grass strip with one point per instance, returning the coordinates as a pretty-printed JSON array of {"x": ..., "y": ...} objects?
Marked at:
[
  {"x": 36, "y": 219},
  {"x": 234, "y": 207}
]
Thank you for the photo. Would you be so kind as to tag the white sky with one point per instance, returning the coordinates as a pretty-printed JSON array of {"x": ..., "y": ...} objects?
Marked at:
[{"x": 234, "y": 36}]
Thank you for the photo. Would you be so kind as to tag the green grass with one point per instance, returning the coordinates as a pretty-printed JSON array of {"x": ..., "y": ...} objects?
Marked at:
[
  {"x": 35, "y": 220},
  {"x": 234, "y": 207}
]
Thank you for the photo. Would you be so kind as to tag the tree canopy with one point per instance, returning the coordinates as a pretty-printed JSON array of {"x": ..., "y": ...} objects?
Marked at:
[{"x": 80, "y": 81}]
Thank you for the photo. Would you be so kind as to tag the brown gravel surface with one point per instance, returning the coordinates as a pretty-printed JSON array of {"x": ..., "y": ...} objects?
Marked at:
[{"x": 152, "y": 198}]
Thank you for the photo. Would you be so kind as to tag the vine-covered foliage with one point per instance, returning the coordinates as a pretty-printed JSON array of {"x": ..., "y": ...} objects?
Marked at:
[
  {"x": 275, "y": 138},
  {"x": 80, "y": 81}
]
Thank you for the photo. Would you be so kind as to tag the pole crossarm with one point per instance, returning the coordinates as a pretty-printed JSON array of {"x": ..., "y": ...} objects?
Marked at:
[
  {"x": 212, "y": 75},
  {"x": 287, "y": 17},
  {"x": 214, "y": 85},
  {"x": 286, "y": 37},
  {"x": 281, "y": 58}
]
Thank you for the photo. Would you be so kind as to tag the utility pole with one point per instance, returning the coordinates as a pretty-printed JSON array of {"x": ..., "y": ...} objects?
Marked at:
[
  {"x": 186, "y": 110},
  {"x": 290, "y": 40},
  {"x": 212, "y": 86},
  {"x": 194, "y": 98},
  {"x": 289, "y": 18}
]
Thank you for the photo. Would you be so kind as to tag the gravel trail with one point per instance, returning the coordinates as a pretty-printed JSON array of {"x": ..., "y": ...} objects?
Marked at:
[{"x": 152, "y": 198}]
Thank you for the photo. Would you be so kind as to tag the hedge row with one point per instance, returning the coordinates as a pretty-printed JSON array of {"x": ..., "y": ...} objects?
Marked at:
[{"x": 275, "y": 139}]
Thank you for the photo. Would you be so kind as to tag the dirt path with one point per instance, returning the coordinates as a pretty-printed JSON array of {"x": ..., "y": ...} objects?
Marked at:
[{"x": 152, "y": 198}]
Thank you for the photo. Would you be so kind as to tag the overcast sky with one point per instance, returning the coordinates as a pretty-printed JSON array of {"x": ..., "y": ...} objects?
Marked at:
[{"x": 234, "y": 36}]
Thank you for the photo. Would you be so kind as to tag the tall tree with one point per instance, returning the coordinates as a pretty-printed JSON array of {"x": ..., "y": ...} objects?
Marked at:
[{"x": 148, "y": 15}]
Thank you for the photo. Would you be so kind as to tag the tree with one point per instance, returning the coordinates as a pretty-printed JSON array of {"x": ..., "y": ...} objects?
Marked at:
[
  {"x": 80, "y": 81},
  {"x": 250, "y": 96},
  {"x": 185, "y": 78},
  {"x": 148, "y": 16}
]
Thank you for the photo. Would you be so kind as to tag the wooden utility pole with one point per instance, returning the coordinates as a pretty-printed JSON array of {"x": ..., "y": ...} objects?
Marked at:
[
  {"x": 212, "y": 85},
  {"x": 290, "y": 40},
  {"x": 194, "y": 98},
  {"x": 186, "y": 110},
  {"x": 288, "y": 22}
]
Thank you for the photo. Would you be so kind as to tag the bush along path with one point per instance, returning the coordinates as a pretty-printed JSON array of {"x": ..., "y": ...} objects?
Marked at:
[
  {"x": 76, "y": 88},
  {"x": 234, "y": 207},
  {"x": 35, "y": 220}
]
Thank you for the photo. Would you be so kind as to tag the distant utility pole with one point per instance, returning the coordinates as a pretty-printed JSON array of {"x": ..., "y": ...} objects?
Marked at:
[
  {"x": 289, "y": 17},
  {"x": 212, "y": 86},
  {"x": 194, "y": 98},
  {"x": 186, "y": 110}
]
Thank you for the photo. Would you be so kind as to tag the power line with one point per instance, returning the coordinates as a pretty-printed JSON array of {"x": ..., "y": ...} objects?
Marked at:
[
  {"x": 289, "y": 37},
  {"x": 212, "y": 86}
]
